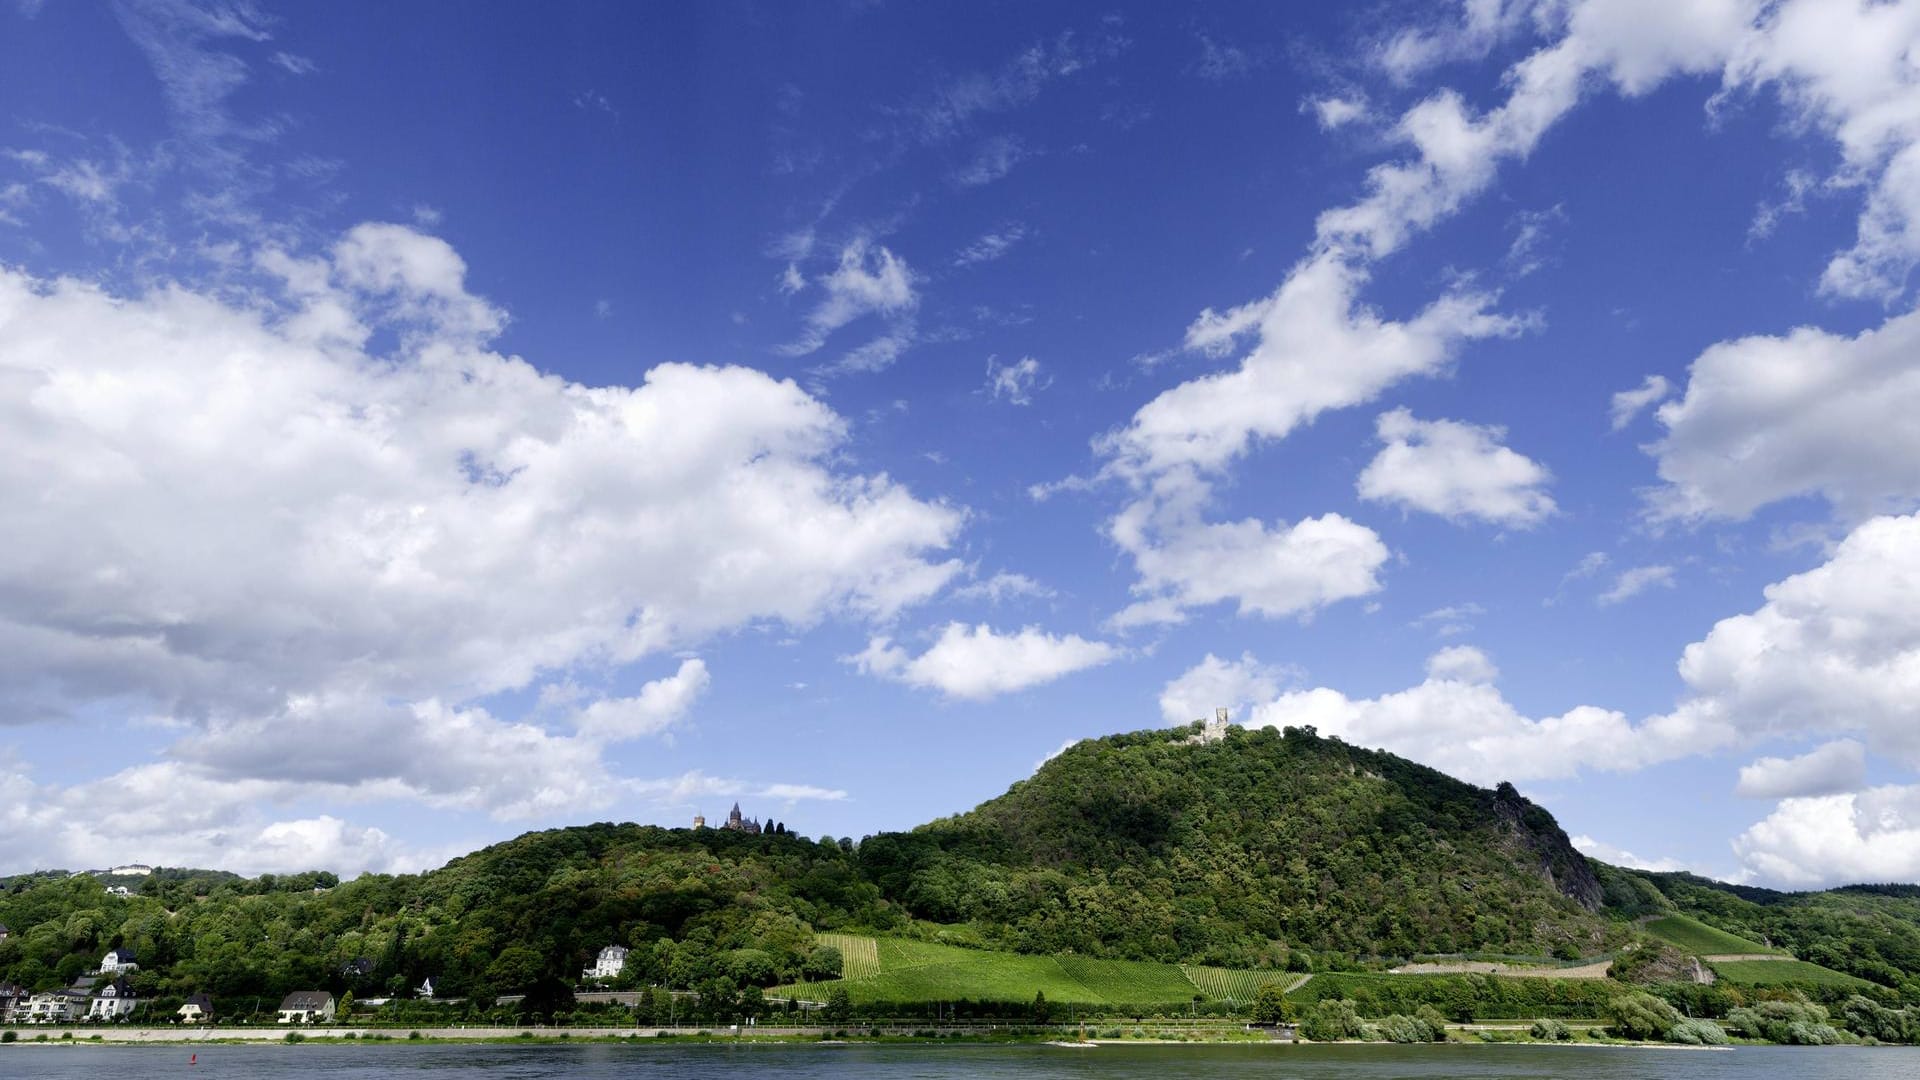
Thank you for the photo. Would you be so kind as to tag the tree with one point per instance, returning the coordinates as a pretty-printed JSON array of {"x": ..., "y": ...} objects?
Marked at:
[
  {"x": 1270, "y": 1005},
  {"x": 1042, "y": 1011},
  {"x": 824, "y": 962},
  {"x": 1641, "y": 1016},
  {"x": 839, "y": 1005},
  {"x": 344, "y": 1009}
]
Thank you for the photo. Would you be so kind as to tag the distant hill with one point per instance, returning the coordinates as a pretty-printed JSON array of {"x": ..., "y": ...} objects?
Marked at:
[{"x": 1261, "y": 851}]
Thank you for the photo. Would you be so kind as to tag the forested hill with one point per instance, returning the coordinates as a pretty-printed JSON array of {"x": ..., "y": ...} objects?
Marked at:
[
  {"x": 1234, "y": 852},
  {"x": 1265, "y": 849}
]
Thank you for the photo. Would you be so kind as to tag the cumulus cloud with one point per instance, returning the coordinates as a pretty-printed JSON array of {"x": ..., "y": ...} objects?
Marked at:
[
  {"x": 1214, "y": 683},
  {"x": 1633, "y": 581},
  {"x": 240, "y": 518},
  {"x": 1628, "y": 404},
  {"x": 1829, "y": 769},
  {"x": 1462, "y": 663},
  {"x": 1274, "y": 571},
  {"x": 1315, "y": 348},
  {"x": 1818, "y": 842},
  {"x": 658, "y": 705},
  {"x": 1834, "y": 650},
  {"x": 1456, "y": 470},
  {"x": 1334, "y": 113},
  {"x": 1769, "y": 418},
  {"x": 1456, "y": 720},
  {"x": 978, "y": 662}
]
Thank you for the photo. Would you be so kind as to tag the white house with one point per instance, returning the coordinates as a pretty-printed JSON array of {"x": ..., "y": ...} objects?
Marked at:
[
  {"x": 197, "y": 1010},
  {"x": 425, "y": 989},
  {"x": 306, "y": 1007},
  {"x": 56, "y": 1007},
  {"x": 115, "y": 1000},
  {"x": 612, "y": 961},
  {"x": 119, "y": 962}
]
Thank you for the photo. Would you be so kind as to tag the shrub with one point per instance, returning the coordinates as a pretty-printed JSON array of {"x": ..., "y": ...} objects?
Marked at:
[
  {"x": 1698, "y": 1033},
  {"x": 1332, "y": 1020},
  {"x": 1550, "y": 1031},
  {"x": 1431, "y": 1017},
  {"x": 1641, "y": 1016},
  {"x": 9, "y": 1035},
  {"x": 415, "y": 1035},
  {"x": 294, "y": 1037},
  {"x": 1405, "y": 1029}
]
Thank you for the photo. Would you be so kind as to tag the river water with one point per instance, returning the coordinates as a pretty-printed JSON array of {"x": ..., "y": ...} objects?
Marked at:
[{"x": 443, "y": 1061}]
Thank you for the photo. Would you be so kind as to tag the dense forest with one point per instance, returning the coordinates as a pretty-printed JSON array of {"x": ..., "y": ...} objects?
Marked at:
[{"x": 1267, "y": 849}]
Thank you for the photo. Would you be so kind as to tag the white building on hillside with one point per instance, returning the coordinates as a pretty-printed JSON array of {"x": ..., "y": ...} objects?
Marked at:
[
  {"x": 612, "y": 961},
  {"x": 119, "y": 962},
  {"x": 306, "y": 1007},
  {"x": 113, "y": 1001}
]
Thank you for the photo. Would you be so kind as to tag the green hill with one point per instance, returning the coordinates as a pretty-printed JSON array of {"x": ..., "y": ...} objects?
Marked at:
[
  {"x": 1127, "y": 868},
  {"x": 1235, "y": 853}
]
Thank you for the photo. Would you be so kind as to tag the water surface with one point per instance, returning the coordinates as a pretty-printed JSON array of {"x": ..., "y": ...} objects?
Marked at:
[{"x": 444, "y": 1061}]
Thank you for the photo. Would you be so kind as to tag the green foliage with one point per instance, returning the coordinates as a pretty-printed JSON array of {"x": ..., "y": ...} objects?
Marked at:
[
  {"x": 1332, "y": 1020},
  {"x": 1794, "y": 1022},
  {"x": 1270, "y": 1005},
  {"x": 1640, "y": 1016},
  {"x": 1238, "y": 854},
  {"x": 1550, "y": 1031},
  {"x": 1698, "y": 1033},
  {"x": 1463, "y": 997},
  {"x": 1697, "y": 937},
  {"x": 1410, "y": 1029},
  {"x": 839, "y": 1005}
]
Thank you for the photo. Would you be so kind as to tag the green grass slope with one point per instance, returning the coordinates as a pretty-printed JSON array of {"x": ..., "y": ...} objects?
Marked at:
[
  {"x": 916, "y": 971},
  {"x": 1697, "y": 937},
  {"x": 1782, "y": 973}
]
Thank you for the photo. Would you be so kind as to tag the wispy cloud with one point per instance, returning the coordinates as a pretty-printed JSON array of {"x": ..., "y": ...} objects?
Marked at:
[{"x": 991, "y": 245}]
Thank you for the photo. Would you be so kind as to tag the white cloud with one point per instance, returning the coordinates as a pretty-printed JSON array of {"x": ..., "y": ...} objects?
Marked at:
[
  {"x": 292, "y": 63},
  {"x": 1002, "y": 587},
  {"x": 1829, "y": 769},
  {"x": 1635, "y": 580},
  {"x": 1462, "y": 663},
  {"x": 1807, "y": 843},
  {"x": 1809, "y": 413},
  {"x": 1458, "y": 721},
  {"x": 1834, "y": 650},
  {"x": 1607, "y": 853},
  {"x": 1213, "y": 683},
  {"x": 1315, "y": 348},
  {"x": 1452, "y": 619},
  {"x": 976, "y": 663},
  {"x": 660, "y": 704},
  {"x": 1455, "y": 470},
  {"x": 993, "y": 159},
  {"x": 1334, "y": 113},
  {"x": 869, "y": 279},
  {"x": 991, "y": 245},
  {"x": 683, "y": 789},
  {"x": 1847, "y": 69},
  {"x": 1634, "y": 44},
  {"x": 1272, "y": 571},
  {"x": 238, "y": 518},
  {"x": 1015, "y": 382},
  {"x": 1628, "y": 404}
]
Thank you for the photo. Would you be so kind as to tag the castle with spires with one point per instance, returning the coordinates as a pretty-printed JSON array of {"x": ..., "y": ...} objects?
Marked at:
[{"x": 750, "y": 826}]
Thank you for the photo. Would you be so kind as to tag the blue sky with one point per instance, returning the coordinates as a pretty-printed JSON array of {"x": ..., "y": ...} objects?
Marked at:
[{"x": 425, "y": 424}]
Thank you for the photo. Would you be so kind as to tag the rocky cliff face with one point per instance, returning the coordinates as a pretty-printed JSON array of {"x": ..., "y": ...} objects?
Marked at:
[{"x": 1537, "y": 837}]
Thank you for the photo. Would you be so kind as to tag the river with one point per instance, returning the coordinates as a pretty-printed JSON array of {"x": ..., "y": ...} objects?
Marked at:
[{"x": 448, "y": 1061}]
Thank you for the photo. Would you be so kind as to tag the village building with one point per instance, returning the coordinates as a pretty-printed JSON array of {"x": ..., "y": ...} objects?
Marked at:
[
  {"x": 115, "y": 1000},
  {"x": 12, "y": 999},
  {"x": 425, "y": 989},
  {"x": 359, "y": 967},
  {"x": 198, "y": 1009},
  {"x": 611, "y": 962},
  {"x": 4, "y": 931},
  {"x": 132, "y": 870},
  {"x": 119, "y": 962},
  {"x": 57, "y": 1006},
  {"x": 306, "y": 1007}
]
